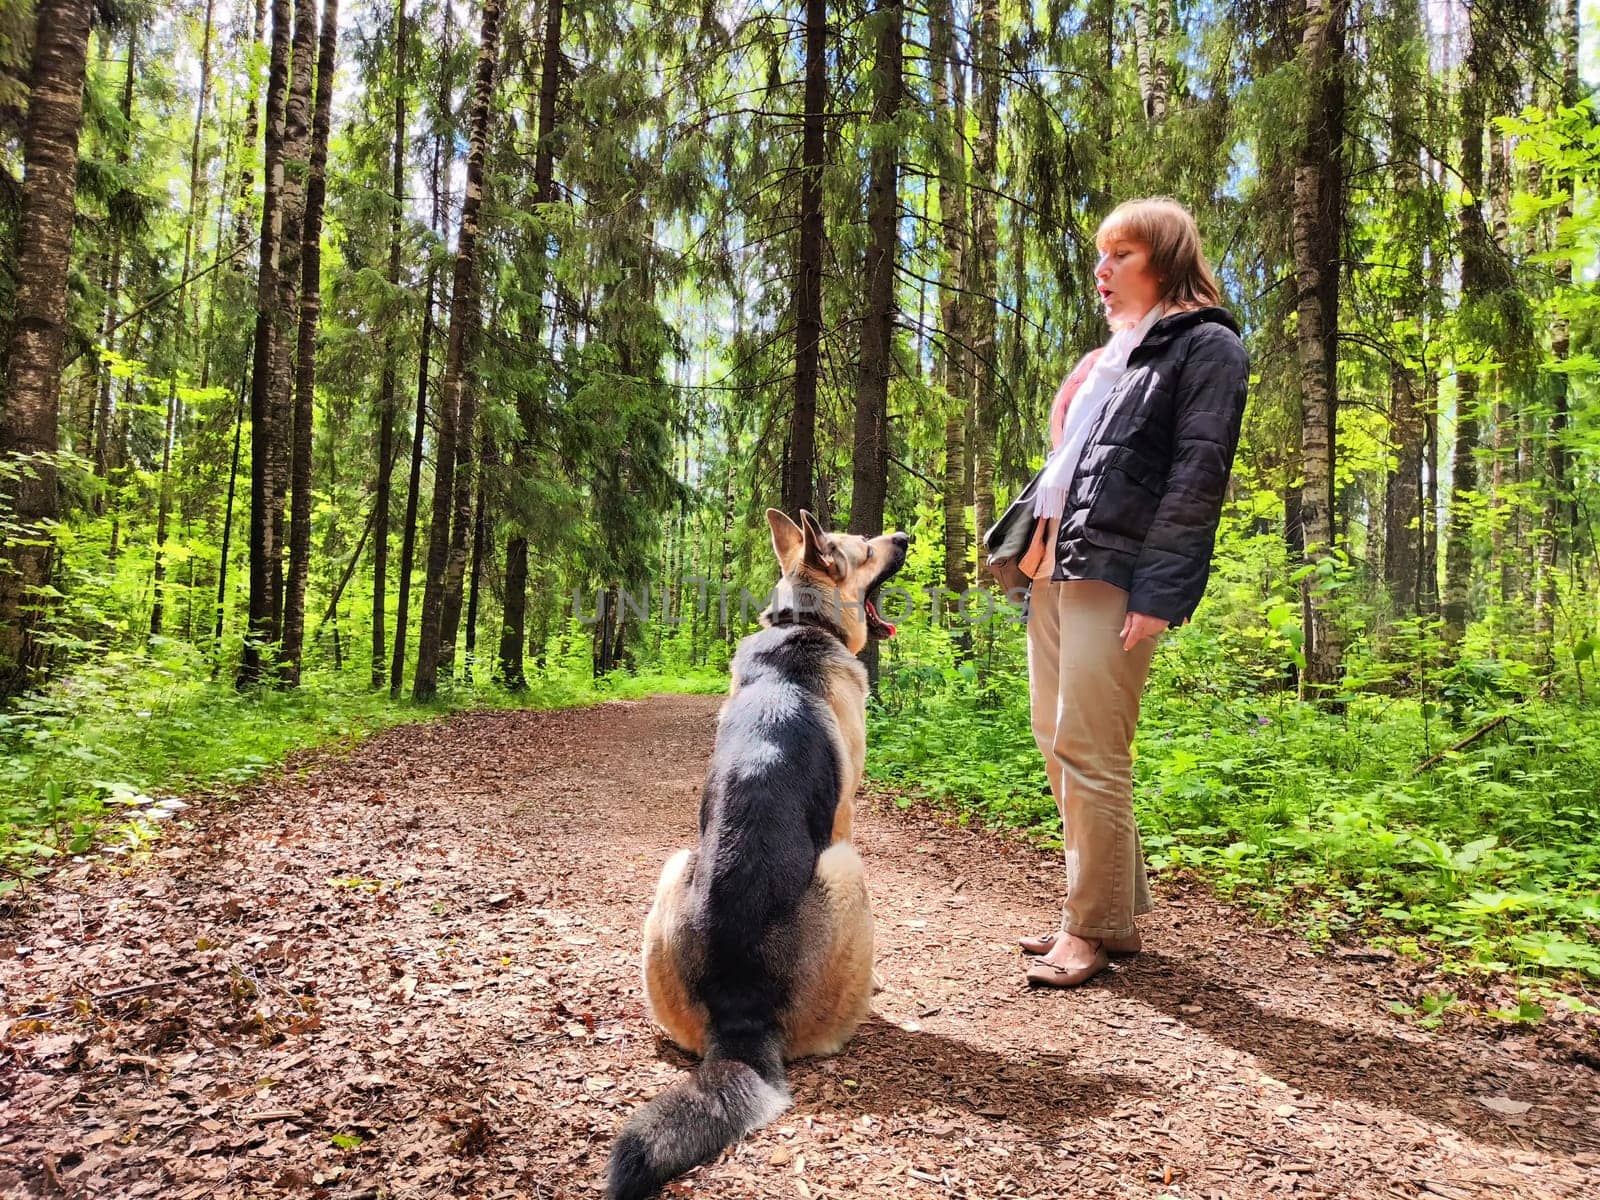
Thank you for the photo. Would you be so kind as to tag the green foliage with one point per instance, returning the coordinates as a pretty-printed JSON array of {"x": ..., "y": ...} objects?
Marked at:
[{"x": 1489, "y": 859}]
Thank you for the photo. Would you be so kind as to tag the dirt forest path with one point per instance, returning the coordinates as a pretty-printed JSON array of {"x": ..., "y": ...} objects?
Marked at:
[{"x": 412, "y": 972}]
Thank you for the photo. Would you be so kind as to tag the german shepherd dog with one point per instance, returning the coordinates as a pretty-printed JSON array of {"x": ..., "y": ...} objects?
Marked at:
[{"x": 758, "y": 948}]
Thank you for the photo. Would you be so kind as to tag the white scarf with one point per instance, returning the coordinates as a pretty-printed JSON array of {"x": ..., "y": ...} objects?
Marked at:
[{"x": 1082, "y": 410}]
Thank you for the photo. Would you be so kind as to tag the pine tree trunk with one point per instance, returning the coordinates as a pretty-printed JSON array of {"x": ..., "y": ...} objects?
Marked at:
[
  {"x": 949, "y": 90},
  {"x": 30, "y": 416},
  {"x": 512, "y": 649},
  {"x": 102, "y": 435},
  {"x": 870, "y": 474},
  {"x": 1402, "y": 523},
  {"x": 451, "y": 428},
  {"x": 801, "y": 459},
  {"x": 1316, "y": 252},
  {"x": 181, "y": 314},
  {"x": 294, "y": 622},
  {"x": 1503, "y": 459},
  {"x": 1558, "y": 517},
  {"x": 984, "y": 258},
  {"x": 262, "y": 632},
  {"x": 1475, "y": 273},
  {"x": 386, "y": 385},
  {"x": 408, "y": 536},
  {"x": 475, "y": 576},
  {"x": 227, "y": 531}
]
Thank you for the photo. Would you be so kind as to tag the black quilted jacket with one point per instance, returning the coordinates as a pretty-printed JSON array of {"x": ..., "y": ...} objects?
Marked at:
[{"x": 1143, "y": 506}]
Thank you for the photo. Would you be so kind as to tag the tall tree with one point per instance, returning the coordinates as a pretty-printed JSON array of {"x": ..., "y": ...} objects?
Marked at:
[
  {"x": 871, "y": 446},
  {"x": 1557, "y": 505},
  {"x": 950, "y": 114},
  {"x": 1152, "y": 26},
  {"x": 800, "y": 462},
  {"x": 983, "y": 262},
  {"x": 386, "y": 383},
  {"x": 1476, "y": 270},
  {"x": 195, "y": 208},
  {"x": 297, "y": 120},
  {"x": 463, "y": 300},
  {"x": 29, "y": 420},
  {"x": 102, "y": 427},
  {"x": 513, "y": 629},
  {"x": 1318, "y": 187},
  {"x": 262, "y": 631},
  {"x": 870, "y": 475},
  {"x": 306, "y": 352}
]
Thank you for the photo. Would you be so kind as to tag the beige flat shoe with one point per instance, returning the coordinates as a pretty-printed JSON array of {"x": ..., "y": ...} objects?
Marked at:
[
  {"x": 1042, "y": 943},
  {"x": 1043, "y": 974}
]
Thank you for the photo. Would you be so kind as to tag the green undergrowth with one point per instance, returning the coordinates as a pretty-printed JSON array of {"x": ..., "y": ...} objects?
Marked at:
[
  {"x": 103, "y": 756},
  {"x": 1487, "y": 861}
]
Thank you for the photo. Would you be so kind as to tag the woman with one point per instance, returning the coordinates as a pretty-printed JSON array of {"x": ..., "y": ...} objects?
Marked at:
[{"x": 1143, "y": 434}]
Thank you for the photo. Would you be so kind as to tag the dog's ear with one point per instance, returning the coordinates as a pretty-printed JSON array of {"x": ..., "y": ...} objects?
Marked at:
[
  {"x": 788, "y": 540},
  {"x": 819, "y": 554}
]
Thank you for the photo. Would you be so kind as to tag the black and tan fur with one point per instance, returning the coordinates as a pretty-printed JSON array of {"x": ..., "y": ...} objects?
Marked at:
[{"x": 758, "y": 948}]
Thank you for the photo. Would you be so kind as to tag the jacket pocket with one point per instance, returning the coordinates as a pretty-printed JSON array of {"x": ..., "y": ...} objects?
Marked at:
[{"x": 1125, "y": 501}]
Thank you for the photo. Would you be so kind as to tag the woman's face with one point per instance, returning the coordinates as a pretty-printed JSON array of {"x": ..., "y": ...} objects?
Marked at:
[{"x": 1127, "y": 286}]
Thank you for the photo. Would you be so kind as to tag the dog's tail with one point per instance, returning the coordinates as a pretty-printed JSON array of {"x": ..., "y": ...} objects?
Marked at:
[{"x": 733, "y": 1091}]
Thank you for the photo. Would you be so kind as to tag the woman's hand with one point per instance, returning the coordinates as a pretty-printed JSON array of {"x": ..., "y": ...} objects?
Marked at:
[{"x": 1136, "y": 627}]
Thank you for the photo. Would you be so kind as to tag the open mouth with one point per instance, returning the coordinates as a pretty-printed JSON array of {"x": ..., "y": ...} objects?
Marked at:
[{"x": 877, "y": 627}]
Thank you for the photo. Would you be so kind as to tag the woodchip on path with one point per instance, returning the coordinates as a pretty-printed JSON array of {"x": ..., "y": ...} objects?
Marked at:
[{"x": 412, "y": 972}]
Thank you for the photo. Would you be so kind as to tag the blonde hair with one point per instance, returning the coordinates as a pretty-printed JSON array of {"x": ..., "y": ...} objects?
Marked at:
[{"x": 1177, "y": 259}]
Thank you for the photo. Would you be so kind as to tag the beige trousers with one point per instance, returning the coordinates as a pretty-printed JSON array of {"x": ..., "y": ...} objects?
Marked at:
[{"x": 1084, "y": 691}]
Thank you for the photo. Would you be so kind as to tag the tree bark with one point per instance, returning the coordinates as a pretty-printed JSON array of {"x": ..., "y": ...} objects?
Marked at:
[
  {"x": 1152, "y": 27},
  {"x": 1316, "y": 221},
  {"x": 1402, "y": 514},
  {"x": 953, "y": 372},
  {"x": 227, "y": 530},
  {"x": 475, "y": 575},
  {"x": 801, "y": 458},
  {"x": 452, "y": 423},
  {"x": 1475, "y": 272},
  {"x": 1558, "y": 516},
  {"x": 181, "y": 322},
  {"x": 102, "y": 428},
  {"x": 297, "y": 169},
  {"x": 262, "y": 631},
  {"x": 294, "y": 623},
  {"x": 1403, "y": 527},
  {"x": 30, "y": 417},
  {"x": 513, "y": 630},
  {"x": 386, "y": 384},
  {"x": 408, "y": 537},
  {"x": 870, "y": 474},
  {"x": 981, "y": 278}
]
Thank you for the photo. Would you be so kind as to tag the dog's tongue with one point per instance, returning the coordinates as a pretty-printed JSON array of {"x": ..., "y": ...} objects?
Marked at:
[{"x": 888, "y": 629}]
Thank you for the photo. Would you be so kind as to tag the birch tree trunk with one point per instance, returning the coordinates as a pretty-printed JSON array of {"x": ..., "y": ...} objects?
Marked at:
[{"x": 1316, "y": 252}]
